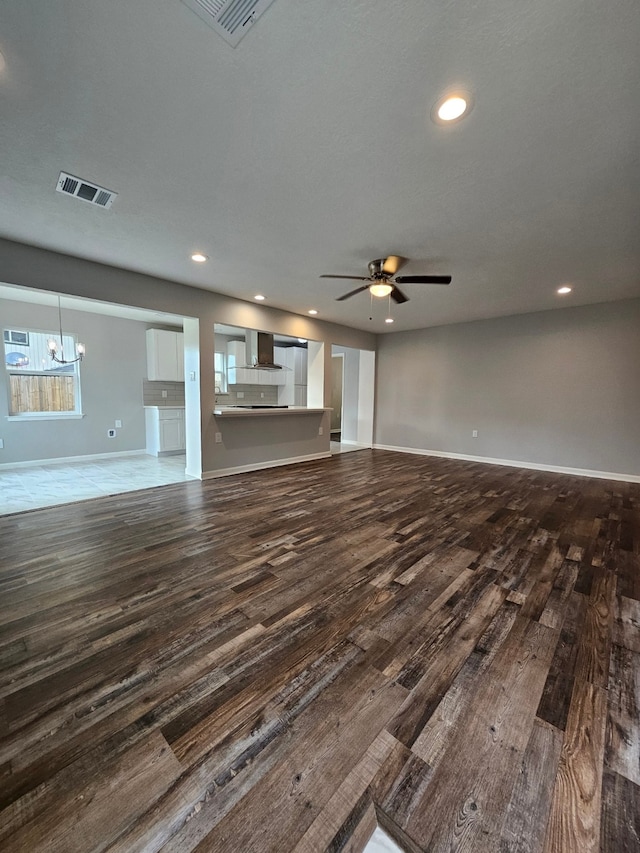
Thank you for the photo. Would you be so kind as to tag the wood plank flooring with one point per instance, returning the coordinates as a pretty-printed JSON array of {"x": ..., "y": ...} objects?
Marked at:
[{"x": 275, "y": 661}]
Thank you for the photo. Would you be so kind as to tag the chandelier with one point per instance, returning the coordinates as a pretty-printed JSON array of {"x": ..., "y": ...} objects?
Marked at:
[{"x": 52, "y": 345}]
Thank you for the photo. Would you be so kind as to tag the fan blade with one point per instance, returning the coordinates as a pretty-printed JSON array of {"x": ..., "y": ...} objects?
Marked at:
[
  {"x": 424, "y": 279},
  {"x": 392, "y": 264},
  {"x": 398, "y": 296},
  {"x": 352, "y": 293},
  {"x": 350, "y": 277}
]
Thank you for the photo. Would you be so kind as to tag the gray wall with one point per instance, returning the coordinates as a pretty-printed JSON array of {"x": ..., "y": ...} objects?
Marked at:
[
  {"x": 555, "y": 388},
  {"x": 30, "y": 266},
  {"x": 111, "y": 377}
]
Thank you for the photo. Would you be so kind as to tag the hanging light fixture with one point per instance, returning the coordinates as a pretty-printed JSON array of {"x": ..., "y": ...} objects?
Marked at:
[
  {"x": 380, "y": 289},
  {"x": 52, "y": 344}
]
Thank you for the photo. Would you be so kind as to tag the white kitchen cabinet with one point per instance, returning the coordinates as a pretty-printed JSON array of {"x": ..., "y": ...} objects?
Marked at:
[
  {"x": 299, "y": 395},
  {"x": 293, "y": 391},
  {"x": 300, "y": 366},
  {"x": 164, "y": 430},
  {"x": 236, "y": 358},
  {"x": 236, "y": 354},
  {"x": 165, "y": 355}
]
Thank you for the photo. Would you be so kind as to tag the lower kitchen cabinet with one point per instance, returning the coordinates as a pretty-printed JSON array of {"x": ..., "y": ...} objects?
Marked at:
[{"x": 165, "y": 430}]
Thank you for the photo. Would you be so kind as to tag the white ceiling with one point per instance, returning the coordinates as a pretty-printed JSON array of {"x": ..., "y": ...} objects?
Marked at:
[{"x": 309, "y": 149}]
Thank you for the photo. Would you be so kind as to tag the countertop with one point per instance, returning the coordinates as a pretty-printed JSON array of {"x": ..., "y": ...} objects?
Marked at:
[{"x": 237, "y": 412}]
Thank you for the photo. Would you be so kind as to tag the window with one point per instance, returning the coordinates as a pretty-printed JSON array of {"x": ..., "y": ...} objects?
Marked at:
[
  {"x": 220, "y": 368},
  {"x": 39, "y": 386},
  {"x": 11, "y": 336}
]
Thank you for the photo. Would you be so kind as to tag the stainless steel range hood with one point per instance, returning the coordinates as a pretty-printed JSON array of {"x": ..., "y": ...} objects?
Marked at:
[{"x": 260, "y": 351}]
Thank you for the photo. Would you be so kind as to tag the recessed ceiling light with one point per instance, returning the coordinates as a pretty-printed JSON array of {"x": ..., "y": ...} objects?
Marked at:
[
  {"x": 389, "y": 320},
  {"x": 302, "y": 340},
  {"x": 312, "y": 311},
  {"x": 564, "y": 289},
  {"x": 452, "y": 107},
  {"x": 199, "y": 258},
  {"x": 259, "y": 297}
]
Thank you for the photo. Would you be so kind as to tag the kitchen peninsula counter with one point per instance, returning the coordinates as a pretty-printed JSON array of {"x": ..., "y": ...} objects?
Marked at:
[
  {"x": 249, "y": 439},
  {"x": 247, "y": 411}
]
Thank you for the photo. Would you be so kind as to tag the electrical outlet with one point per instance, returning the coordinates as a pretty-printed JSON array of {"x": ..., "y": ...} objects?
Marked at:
[
  {"x": 111, "y": 433},
  {"x": 164, "y": 395},
  {"x": 192, "y": 376},
  {"x": 1, "y": 443},
  {"x": 262, "y": 395},
  {"x": 218, "y": 438},
  {"x": 240, "y": 395},
  {"x": 118, "y": 424},
  {"x": 321, "y": 431},
  {"x": 474, "y": 434}
]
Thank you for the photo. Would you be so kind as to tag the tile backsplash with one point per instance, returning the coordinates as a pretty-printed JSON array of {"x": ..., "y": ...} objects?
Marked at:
[
  {"x": 252, "y": 395},
  {"x": 152, "y": 393}
]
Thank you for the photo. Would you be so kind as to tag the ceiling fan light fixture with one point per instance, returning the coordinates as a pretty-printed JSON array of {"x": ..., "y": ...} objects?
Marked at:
[
  {"x": 380, "y": 289},
  {"x": 452, "y": 107}
]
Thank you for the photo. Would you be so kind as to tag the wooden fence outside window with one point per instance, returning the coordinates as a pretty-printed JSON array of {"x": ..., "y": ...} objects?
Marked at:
[{"x": 33, "y": 393}]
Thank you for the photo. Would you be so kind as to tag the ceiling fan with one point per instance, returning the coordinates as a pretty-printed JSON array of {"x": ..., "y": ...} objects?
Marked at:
[{"x": 381, "y": 281}]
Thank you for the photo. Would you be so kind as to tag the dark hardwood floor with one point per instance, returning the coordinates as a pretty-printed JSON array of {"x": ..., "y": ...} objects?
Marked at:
[{"x": 274, "y": 661}]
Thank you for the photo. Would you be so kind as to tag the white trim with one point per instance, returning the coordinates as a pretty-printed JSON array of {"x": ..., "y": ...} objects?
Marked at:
[
  {"x": 33, "y": 463},
  {"x": 513, "y": 463},
  {"x": 46, "y": 416},
  {"x": 259, "y": 466},
  {"x": 355, "y": 443}
]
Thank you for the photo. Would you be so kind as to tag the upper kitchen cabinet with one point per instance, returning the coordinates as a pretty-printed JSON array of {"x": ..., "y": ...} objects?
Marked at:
[
  {"x": 165, "y": 355},
  {"x": 294, "y": 388}
]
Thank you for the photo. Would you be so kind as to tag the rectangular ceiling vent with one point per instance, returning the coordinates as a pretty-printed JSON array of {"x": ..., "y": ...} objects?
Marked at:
[
  {"x": 85, "y": 191},
  {"x": 231, "y": 19}
]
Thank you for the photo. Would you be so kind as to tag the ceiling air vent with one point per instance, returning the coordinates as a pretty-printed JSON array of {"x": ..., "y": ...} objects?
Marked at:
[
  {"x": 231, "y": 19},
  {"x": 85, "y": 191}
]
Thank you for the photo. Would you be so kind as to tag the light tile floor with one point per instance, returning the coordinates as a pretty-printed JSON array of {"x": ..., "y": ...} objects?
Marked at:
[
  {"x": 337, "y": 447},
  {"x": 64, "y": 482},
  {"x": 380, "y": 842}
]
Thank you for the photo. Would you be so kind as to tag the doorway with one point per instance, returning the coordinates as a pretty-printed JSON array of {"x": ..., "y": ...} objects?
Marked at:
[
  {"x": 337, "y": 384},
  {"x": 352, "y": 391}
]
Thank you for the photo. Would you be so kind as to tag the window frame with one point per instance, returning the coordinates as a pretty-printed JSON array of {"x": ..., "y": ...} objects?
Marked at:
[
  {"x": 69, "y": 414},
  {"x": 223, "y": 387}
]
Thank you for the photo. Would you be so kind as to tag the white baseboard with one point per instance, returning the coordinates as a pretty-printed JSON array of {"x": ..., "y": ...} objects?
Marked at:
[
  {"x": 513, "y": 463},
  {"x": 259, "y": 466},
  {"x": 89, "y": 457},
  {"x": 355, "y": 443}
]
